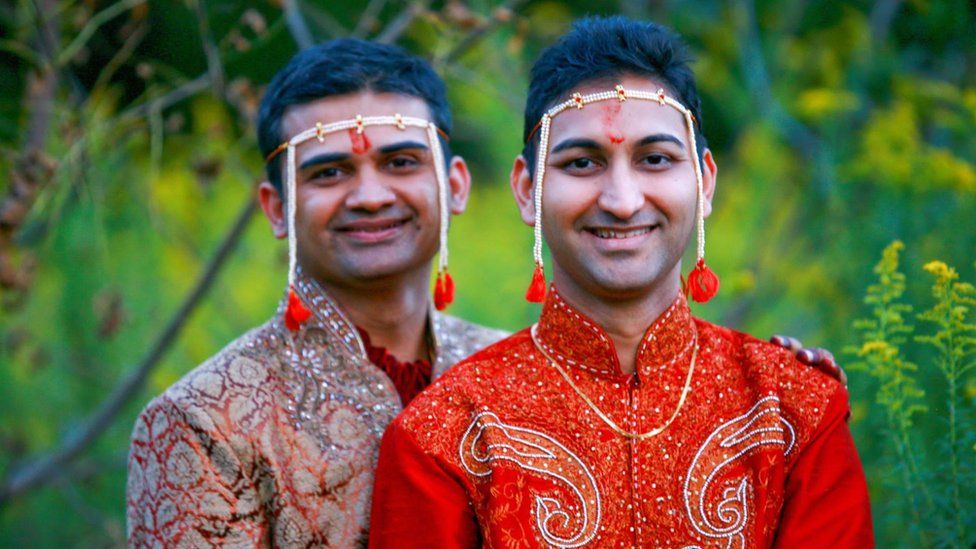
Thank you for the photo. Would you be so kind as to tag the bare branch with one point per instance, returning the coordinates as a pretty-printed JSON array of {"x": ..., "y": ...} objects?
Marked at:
[
  {"x": 43, "y": 82},
  {"x": 31, "y": 169},
  {"x": 121, "y": 56},
  {"x": 760, "y": 89},
  {"x": 882, "y": 15},
  {"x": 185, "y": 90},
  {"x": 214, "y": 66},
  {"x": 394, "y": 29},
  {"x": 368, "y": 18},
  {"x": 324, "y": 22},
  {"x": 92, "y": 25},
  {"x": 297, "y": 26},
  {"x": 43, "y": 469},
  {"x": 501, "y": 14}
]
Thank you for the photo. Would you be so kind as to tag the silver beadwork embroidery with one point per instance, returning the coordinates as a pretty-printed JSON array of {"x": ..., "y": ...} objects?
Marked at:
[
  {"x": 537, "y": 452},
  {"x": 729, "y": 442}
]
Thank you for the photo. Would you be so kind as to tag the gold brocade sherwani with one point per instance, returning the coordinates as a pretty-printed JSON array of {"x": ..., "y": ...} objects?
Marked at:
[
  {"x": 509, "y": 449},
  {"x": 274, "y": 440}
]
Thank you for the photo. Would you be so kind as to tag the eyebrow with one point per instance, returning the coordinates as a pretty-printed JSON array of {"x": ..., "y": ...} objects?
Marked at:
[
  {"x": 401, "y": 145},
  {"x": 659, "y": 137},
  {"x": 329, "y": 158},
  {"x": 583, "y": 143},
  {"x": 575, "y": 143},
  {"x": 324, "y": 158}
]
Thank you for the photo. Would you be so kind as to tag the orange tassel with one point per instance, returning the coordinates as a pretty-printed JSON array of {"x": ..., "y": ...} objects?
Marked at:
[
  {"x": 537, "y": 289},
  {"x": 443, "y": 291},
  {"x": 702, "y": 282},
  {"x": 296, "y": 312}
]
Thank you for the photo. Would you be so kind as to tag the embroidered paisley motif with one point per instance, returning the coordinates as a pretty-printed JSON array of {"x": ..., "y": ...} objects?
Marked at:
[
  {"x": 487, "y": 440},
  {"x": 727, "y": 515}
]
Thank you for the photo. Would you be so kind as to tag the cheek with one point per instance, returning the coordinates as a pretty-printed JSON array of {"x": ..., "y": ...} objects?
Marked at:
[
  {"x": 318, "y": 206},
  {"x": 675, "y": 194},
  {"x": 419, "y": 193},
  {"x": 564, "y": 201}
]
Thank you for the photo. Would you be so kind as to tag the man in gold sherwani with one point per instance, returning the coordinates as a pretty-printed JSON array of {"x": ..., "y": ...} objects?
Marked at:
[{"x": 273, "y": 441}]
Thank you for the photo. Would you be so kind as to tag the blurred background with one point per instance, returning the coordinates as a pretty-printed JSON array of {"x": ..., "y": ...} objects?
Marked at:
[{"x": 130, "y": 249}]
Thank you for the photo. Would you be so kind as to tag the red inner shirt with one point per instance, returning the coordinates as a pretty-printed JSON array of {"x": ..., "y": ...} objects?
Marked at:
[{"x": 409, "y": 378}]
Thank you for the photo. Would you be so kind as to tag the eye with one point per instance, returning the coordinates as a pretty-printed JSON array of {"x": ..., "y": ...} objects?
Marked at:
[
  {"x": 325, "y": 173},
  {"x": 657, "y": 160},
  {"x": 580, "y": 166},
  {"x": 403, "y": 163}
]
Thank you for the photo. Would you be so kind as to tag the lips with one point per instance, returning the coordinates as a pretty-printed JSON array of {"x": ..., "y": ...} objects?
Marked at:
[
  {"x": 615, "y": 233},
  {"x": 372, "y": 230},
  {"x": 620, "y": 233}
]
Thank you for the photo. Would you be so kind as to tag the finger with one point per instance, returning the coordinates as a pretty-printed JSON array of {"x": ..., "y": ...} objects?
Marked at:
[
  {"x": 806, "y": 356},
  {"x": 795, "y": 344},
  {"x": 841, "y": 374},
  {"x": 832, "y": 369},
  {"x": 819, "y": 355}
]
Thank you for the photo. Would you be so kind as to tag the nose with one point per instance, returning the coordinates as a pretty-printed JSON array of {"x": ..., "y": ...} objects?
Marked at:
[
  {"x": 371, "y": 192},
  {"x": 621, "y": 194}
]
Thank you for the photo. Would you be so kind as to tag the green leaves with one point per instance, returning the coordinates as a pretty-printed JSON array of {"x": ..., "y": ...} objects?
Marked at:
[{"x": 930, "y": 483}]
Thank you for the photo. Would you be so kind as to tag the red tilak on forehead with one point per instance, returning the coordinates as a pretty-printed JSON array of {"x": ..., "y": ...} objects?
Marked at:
[
  {"x": 360, "y": 143},
  {"x": 610, "y": 112}
]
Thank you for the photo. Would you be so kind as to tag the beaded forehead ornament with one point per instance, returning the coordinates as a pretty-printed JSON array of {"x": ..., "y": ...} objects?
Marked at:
[
  {"x": 296, "y": 312},
  {"x": 702, "y": 282}
]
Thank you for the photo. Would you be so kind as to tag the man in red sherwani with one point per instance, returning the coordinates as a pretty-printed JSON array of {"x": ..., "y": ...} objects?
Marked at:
[{"x": 619, "y": 419}]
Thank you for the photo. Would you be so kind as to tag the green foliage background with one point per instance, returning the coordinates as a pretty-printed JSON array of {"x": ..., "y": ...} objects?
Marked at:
[{"x": 838, "y": 127}]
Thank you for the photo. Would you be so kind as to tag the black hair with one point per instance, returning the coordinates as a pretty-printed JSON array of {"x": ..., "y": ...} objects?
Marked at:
[
  {"x": 341, "y": 67},
  {"x": 607, "y": 48}
]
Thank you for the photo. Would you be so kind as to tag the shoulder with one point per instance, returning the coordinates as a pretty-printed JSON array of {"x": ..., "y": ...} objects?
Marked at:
[
  {"x": 467, "y": 386},
  {"x": 808, "y": 398},
  {"x": 761, "y": 361},
  {"x": 458, "y": 338},
  {"x": 243, "y": 372}
]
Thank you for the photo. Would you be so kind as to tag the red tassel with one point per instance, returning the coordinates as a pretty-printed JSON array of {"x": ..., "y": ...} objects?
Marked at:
[
  {"x": 702, "y": 282},
  {"x": 296, "y": 312},
  {"x": 537, "y": 289},
  {"x": 443, "y": 291}
]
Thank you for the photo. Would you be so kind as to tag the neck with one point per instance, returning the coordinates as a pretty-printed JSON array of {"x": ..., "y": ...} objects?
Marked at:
[
  {"x": 624, "y": 319},
  {"x": 393, "y": 312}
]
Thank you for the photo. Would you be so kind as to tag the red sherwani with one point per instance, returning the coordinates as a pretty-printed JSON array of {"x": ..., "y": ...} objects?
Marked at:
[{"x": 503, "y": 452}]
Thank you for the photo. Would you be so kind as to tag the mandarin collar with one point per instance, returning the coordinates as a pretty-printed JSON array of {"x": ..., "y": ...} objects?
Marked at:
[
  {"x": 330, "y": 318},
  {"x": 574, "y": 340}
]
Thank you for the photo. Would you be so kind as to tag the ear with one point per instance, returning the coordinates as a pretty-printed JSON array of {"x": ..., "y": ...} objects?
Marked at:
[
  {"x": 521, "y": 183},
  {"x": 709, "y": 173},
  {"x": 458, "y": 184},
  {"x": 274, "y": 209}
]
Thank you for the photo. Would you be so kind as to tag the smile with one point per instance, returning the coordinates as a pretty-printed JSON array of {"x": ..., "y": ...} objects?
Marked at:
[
  {"x": 373, "y": 230},
  {"x": 373, "y": 227},
  {"x": 620, "y": 233}
]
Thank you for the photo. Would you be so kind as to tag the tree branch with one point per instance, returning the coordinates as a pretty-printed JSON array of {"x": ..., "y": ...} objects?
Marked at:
[
  {"x": 174, "y": 96},
  {"x": 43, "y": 469},
  {"x": 31, "y": 169},
  {"x": 297, "y": 26},
  {"x": 92, "y": 25},
  {"x": 368, "y": 18},
  {"x": 882, "y": 15},
  {"x": 764, "y": 101},
  {"x": 214, "y": 66},
  {"x": 501, "y": 14},
  {"x": 394, "y": 29}
]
